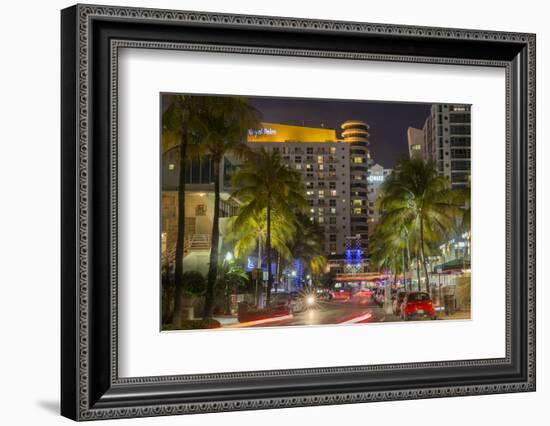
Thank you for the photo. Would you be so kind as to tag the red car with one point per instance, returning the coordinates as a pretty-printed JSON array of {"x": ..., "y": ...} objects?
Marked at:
[{"x": 417, "y": 304}]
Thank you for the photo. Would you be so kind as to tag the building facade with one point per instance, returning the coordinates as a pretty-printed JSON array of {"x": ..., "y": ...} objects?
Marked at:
[
  {"x": 334, "y": 171},
  {"x": 447, "y": 141},
  {"x": 376, "y": 177},
  {"x": 415, "y": 139},
  {"x": 355, "y": 134}
]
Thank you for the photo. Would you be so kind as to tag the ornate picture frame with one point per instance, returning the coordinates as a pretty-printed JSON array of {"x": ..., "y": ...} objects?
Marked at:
[{"x": 91, "y": 38}]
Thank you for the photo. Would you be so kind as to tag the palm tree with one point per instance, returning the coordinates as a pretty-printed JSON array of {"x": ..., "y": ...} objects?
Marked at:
[
  {"x": 176, "y": 133},
  {"x": 222, "y": 123},
  {"x": 309, "y": 244},
  {"x": 251, "y": 234},
  {"x": 416, "y": 196},
  {"x": 264, "y": 182}
]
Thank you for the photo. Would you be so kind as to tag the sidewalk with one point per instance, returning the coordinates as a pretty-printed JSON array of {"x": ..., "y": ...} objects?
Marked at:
[
  {"x": 458, "y": 315},
  {"x": 226, "y": 320}
]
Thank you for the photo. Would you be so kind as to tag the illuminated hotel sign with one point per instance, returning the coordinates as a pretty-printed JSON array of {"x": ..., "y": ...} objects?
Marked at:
[
  {"x": 273, "y": 132},
  {"x": 374, "y": 178},
  {"x": 262, "y": 131}
]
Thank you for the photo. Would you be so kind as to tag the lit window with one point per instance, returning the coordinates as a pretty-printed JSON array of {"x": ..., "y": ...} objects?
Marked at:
[
  {"x": 358, "y": 160},
  {"x": 322, "y": 193},
  {"x": 333, "y": 150},
  {"x": 319, "y": 159},
  {"x": 333, "y": 192},
  {"x": 171, "y": 166},
  {"x": 357, "y": 210},
  {"x": 298, "y": 167}
]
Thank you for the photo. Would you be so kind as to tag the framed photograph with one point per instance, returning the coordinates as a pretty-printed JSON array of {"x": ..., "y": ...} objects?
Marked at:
[{"x": 263, "y": 212}]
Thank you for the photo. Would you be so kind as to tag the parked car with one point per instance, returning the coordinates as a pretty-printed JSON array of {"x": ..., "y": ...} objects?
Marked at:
[
  {"x": 397, "y": 301},
  {"x": 417, "y": 304}
]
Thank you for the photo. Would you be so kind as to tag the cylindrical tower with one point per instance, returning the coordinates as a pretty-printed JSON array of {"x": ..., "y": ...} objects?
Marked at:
[{"x": 356, "y": 133}]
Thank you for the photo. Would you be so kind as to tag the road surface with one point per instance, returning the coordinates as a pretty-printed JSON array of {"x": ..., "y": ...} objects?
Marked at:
[{"x": 356, "y": 310}]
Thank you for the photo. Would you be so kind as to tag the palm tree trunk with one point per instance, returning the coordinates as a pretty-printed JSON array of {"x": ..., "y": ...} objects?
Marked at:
[
  {"x": 409, "y": 260},
  {"x": 180, "y": 240},
  {"x": 259, "y": 267},
  {"x": 214, "y": 250},
  {"x": 423, "y": 256},
  {"x": 417, "y": 267},
  {"x": 268, "y": 251},
  {"x": 277, "y": 280}
]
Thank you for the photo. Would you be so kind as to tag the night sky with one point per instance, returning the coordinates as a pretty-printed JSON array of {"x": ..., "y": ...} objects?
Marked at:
[{"x": 388, "y": 120}]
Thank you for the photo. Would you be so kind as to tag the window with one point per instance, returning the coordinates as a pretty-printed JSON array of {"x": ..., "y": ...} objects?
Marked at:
[
  {"x": 309, "y": 167},
  {"x": 358, "y": 160},
  {"x": 309, "y": 193},
  {"x": 321, "y": 220},
  {"x": 319, "y": 159},
  {"x": 333, "y": 210},
  {"x": 332, "y": 203},
  {"x": 321, "y": 184},
  {"x": 332, "y": 237},
  {"x": 332, "y": 220},
  {"x": 321, "y": 211},
  {"x": 357, "y": 202},
  {"x": 333, "y": 150},
  {"x": 333, "y": 192},
  {"x": 332, "y": 185},
  {"x": 298, "y": 159},
  {"x": 298, "y": 150},
  {"x": 310, "y": 202},
  {"x": 309, "y": 150},
  {"x": 357, "y": 210},
  {"x": 321, "y": 167},
  {"x": 321, "y": 193},
  {"x": 309, "y": 158},
  {"x": 298, "y": 167},
  {"x": 309, "y": 185}
]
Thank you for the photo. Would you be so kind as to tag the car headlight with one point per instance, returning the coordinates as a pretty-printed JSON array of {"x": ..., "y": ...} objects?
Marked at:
[{"x": 310, "y": 300}]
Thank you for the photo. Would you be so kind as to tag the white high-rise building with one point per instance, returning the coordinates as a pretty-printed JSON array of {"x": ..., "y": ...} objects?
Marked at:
[{"x": 447, "y": 138}]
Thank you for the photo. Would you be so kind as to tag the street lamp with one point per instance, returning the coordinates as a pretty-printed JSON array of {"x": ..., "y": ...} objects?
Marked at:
[{"x": 229, "y": 256}]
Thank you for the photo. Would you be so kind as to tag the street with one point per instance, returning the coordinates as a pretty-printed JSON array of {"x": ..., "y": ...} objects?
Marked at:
[{"x": 359, "y": 309}]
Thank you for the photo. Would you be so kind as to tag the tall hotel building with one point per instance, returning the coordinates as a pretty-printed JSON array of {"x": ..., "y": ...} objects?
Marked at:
[
  {"x": 447, "y": 142},
  {"x": 334, "y": 172}
]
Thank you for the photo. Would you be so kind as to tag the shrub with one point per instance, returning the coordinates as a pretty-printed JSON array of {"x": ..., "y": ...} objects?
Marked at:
[{"x": 197, "y": 324}]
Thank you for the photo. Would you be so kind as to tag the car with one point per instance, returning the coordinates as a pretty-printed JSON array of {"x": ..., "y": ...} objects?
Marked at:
[
  {"x": 417, "y": 304},
  {"x": 341, "y": 294},
  {"x": 397, "y": 301},
  {"x": 324, "y": 295}
]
